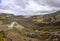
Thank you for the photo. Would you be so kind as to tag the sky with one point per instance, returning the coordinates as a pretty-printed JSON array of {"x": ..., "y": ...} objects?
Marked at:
[{"x": 29, "y": 7}]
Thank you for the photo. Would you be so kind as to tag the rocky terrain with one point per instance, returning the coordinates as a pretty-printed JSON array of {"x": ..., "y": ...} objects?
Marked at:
[{"x": 33, "y": 28}]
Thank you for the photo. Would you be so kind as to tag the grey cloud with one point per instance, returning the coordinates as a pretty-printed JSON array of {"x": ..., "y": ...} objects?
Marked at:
[
  {"x": 53, "y": 3},
  {"x": 4, "y": 7},
  {"x": 21, "y": 3},
  {"x": 42, "y": 2}
]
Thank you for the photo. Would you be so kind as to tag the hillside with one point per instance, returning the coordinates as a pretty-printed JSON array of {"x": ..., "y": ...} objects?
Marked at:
[
  {"x": 53, "y": 17},
  {"x": 32, "y": 28}
]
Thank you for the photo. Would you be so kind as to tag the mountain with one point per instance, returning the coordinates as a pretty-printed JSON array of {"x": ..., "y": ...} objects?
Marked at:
[
  {"x": 32, "y": 28},
  {"x": 32, "y": 21},
  {"x": 53, "y": 17},
  {"x": 48, "y": 20}
]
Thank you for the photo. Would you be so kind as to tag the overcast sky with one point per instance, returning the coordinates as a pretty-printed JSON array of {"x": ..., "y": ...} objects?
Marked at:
[{"x": 29, "y": 7}]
